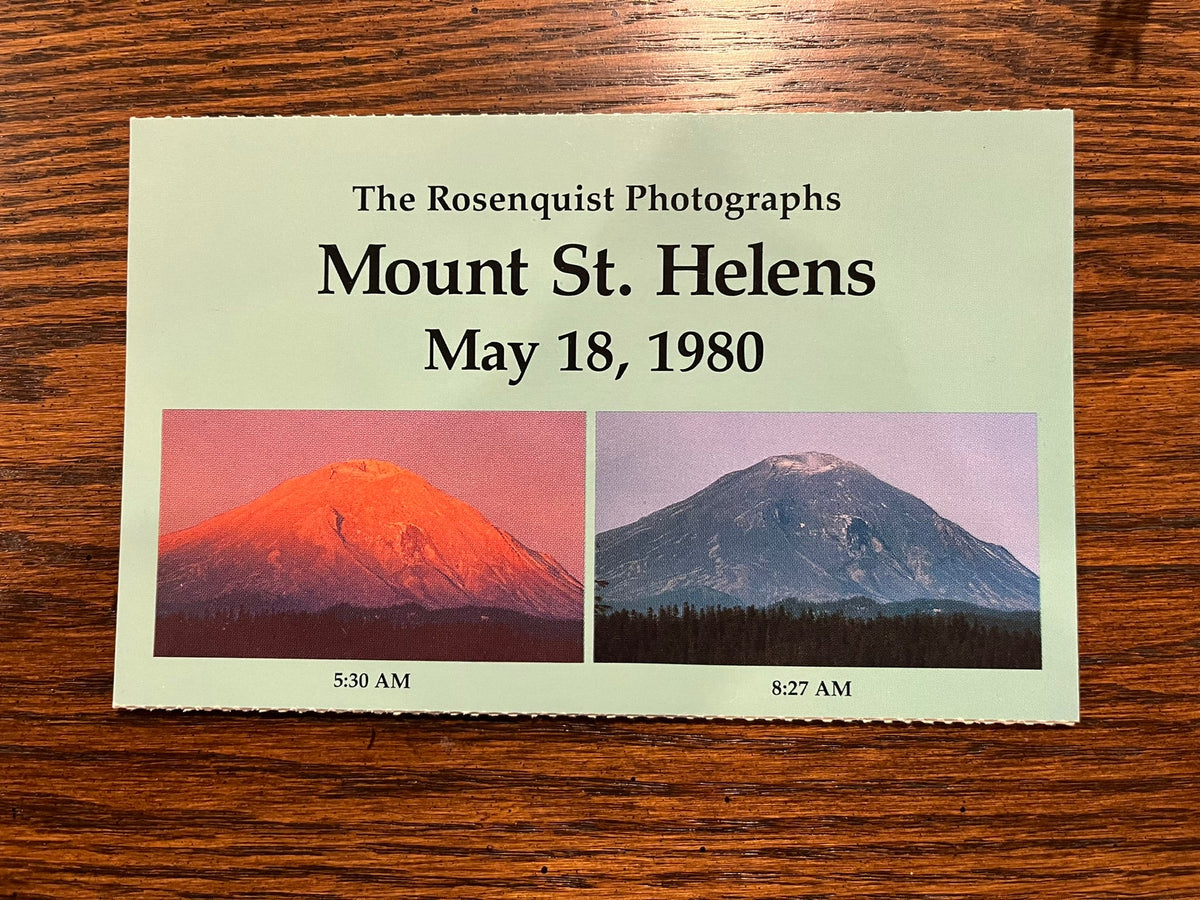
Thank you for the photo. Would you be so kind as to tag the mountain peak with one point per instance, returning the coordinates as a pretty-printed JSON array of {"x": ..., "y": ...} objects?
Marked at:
[
  {"x": 808, "y": 463},
  {"x": 371, "y": 468}
]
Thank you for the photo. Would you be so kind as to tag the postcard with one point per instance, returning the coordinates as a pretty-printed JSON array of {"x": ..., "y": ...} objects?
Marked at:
[{"x": 760, "y": 416}]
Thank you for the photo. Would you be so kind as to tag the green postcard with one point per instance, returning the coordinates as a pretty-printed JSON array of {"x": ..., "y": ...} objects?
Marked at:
[{"x": 762, "y": 416}]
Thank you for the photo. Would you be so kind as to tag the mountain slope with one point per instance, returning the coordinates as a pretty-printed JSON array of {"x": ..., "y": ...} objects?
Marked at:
[
  {"x": 813, "y": 527},
  {"x": 362, "y": 533}
]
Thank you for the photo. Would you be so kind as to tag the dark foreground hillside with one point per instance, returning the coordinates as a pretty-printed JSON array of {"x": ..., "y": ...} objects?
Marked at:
[
  {"x": 472, "y": 635},
  {"x": 778, "y": 636}
]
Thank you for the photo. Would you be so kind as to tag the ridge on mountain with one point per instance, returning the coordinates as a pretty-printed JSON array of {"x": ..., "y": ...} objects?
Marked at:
[
  {"x": 364, "y": 533},
  {"x": 813, "y": 527}
]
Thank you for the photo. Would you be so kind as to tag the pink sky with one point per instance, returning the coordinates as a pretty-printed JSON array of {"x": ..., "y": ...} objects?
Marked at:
[
  {"x": 977, "y": 469},
  {"x": 524, "y": 471}
]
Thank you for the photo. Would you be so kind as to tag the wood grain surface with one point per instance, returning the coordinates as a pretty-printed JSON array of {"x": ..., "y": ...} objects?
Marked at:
[{"x": 95, "y": 803}]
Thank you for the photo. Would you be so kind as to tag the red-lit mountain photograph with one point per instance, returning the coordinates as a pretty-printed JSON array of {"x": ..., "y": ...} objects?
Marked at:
[{"x": 371, "y": 535}]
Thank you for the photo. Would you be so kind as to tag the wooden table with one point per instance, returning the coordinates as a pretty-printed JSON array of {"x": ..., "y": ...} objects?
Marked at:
[{"x": 99, "y": 804}]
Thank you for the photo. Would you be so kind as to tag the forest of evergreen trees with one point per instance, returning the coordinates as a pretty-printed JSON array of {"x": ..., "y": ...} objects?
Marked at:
[
  {"x": 468, "y": 635},
  {"x": 748, "y": 636}
]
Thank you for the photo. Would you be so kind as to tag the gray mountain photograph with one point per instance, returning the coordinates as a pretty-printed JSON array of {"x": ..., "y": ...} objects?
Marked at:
[{"x": 810, "y": 557}]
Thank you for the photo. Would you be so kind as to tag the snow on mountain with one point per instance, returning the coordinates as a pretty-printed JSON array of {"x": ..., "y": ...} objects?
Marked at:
[
  {"x": 813, "y": 527},
  {"x": 365, "y": 533}
]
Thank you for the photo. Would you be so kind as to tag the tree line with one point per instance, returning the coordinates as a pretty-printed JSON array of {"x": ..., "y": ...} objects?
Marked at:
[
  {"x": 750, "y": 636},
  {"x": 343, "y": 633}
]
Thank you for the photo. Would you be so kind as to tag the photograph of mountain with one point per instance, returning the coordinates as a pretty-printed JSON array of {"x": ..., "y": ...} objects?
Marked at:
[
  {"x": 761, "y": 557},
  {"x": 311, "y": 534}
]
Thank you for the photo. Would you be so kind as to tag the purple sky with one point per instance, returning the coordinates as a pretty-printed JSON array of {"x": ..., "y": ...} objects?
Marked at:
[
  {"x": 525, "y": 471},
  {"x": 976, "y": 469}
]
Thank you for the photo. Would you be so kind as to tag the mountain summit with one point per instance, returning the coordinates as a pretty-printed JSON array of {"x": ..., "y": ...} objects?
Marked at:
[
  {"x": 809, "y": 526},
  {"x": 362, "y": 533}
]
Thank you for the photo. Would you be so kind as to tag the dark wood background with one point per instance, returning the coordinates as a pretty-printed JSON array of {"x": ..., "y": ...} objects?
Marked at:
[{"x": 95, "y": 803}]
